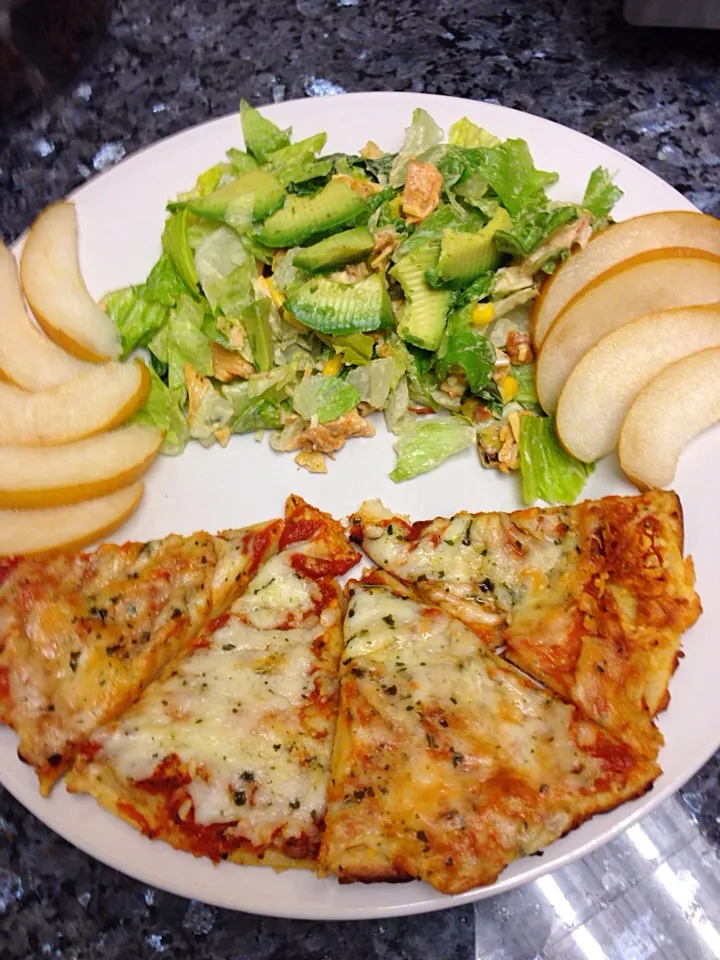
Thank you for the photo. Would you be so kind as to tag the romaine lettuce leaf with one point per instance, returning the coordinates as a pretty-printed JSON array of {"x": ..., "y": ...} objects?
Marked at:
[
  {"x": 136, "y": 318},
  {"x": 297, "y": 162},
  {"x": 209, "y": 180},
  {"x": 525, "y": 376},
  {"x": 241, "y": 162},
  {"x": 428, "y": 442},
  {"x": 177, "y": 247},
  {"x": 466, "y": 347},
  {"x": 256, "y": 320},
  {"x": 397, "y": 414},
  {"x": 601, "y": 194},
  {"x": 374, "y": 381},
  {"x": 326, "y": 398},
  {"x": 162, "y": 411},
  {"x": 510, "y": 171},
  {"x": 252, "y": 413},
  {"x": 548, "y": 472},
  {"x": 214, "y": 411},
  {"x": 531, "y": 227},
  {"x": 354, "y": 348},
  {"x": 433, "y": 227},
  {"x": 261, "y": 135},
  {"x": 182, "y": 341},
  {"x": 216, "y": 259},
  {"x": 465, "y": 133},
  {"x": 422, "y": 134}
]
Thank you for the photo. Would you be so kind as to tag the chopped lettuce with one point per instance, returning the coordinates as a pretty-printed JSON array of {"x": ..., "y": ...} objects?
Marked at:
[
  {"x": 177, "y": 247},
  {"x": 214, "y": 412},
  {"x": 252, "y": 412},
  {"x": 397, "y": 413},
  {"x": 162, "y": 411},
  {"x": 548, "y": 472},
  {"x": 601, "y": 194},
  {"x": 531, "y": 227},
  {"x": 354, "y": 348},
  {"x": 428, "y": 443},
  {"x": 216, "y": 259},
  {"x": 210, "y": 179},
  {"x": 325, "y": 398},
  {"x": 240, "y": 161},
  {"x": 182, "y": 341},
  {"x": 297, "y": 162},
  {"x": 256, "y": 320},
  {"x": 510, "y": 171},
  {"x": 422, "y": 134},
  {"x": 136, "y": 318},
  {"x": 374, "y": 381},
  {"x": 433, "y": 227},
  {"x": 525, "y": 376},
  {"x": 262, "y": 137},
  {"x": 465, "y": 133},
  {"x": 466, "y": 347}
]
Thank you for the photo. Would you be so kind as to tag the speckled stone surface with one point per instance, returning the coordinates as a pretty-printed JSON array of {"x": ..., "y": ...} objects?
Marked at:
[{"x": 164, "y": 66}]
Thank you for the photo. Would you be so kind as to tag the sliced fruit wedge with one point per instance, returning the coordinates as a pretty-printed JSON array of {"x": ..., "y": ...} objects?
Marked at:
[
  {"x": 27, "y": 358},
  {"x": 602, "y": 387},
  {"x": 671, "y": 228},
  {"x": 102, "y": 399},
  {"x": 56, "y": 291},
  {"x": 675, "y": 407},
  {"x": 32, "y": 532},
  {"x": 33, "y": 477},
  {"x": 650, "y": 282}
]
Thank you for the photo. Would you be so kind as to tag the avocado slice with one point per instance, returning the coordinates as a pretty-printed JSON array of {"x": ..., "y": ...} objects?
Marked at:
[
  {"x": 464, "y": 256},
  {"x": 303, "y": 218},
  {"x": 424, "y": 315},
  {"x": 268, "y": 195},
  {"x": 340, "y": 308},
  {"x": 346, "y": 247}
]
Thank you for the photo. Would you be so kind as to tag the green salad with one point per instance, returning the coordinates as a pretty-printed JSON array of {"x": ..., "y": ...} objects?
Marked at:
[{"x": 298, "y": 292}]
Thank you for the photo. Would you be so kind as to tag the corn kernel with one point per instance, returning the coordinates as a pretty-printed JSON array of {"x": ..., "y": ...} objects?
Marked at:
[
  {"x": 277, "y": 296},
  {"x": 508, "y": 389},
  {"x": 333, "y": 366},
  {"x": 396, "y": 206},
  {"x": 482, "y": 314}
]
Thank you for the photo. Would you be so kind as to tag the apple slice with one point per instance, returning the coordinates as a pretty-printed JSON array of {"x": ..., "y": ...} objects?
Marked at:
[
  {"x": 675, "y": 407},
  {"x": 56, "y": 291},
  {"x": 105, "y": 397},
  {"x": 672, "y": 228},
  {"x": 650, "y": 282},
  {"x": 604, "y": 384},
  {"x": 54, "y": 476},
  {"x": 32, "y": 532},
  {"x": 27, "y": 358}
]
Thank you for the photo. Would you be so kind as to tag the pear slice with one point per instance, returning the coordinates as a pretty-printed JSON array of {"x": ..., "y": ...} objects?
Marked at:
[
  {"x": 27, "y": 358},
  {"x": 33, "y": 477},
  {"x": 675, "y": 407},
  {"x": 604, "y": 384},
  {"x": 671, "y": 228},
  {"x": 56, "y": 291},
  {"x": 32, "y": 532},
  {"x": 101, "y": 399},
  {"x": 650, "y": 282}
]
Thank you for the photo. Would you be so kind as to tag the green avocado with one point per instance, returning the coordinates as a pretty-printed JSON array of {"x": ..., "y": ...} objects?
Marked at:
[
  {"x": 303, "y": 218},
  {"x": 346, "y": 247},
  {"x": 340, "y": 308},
  {"x": 424, "y": 315}
]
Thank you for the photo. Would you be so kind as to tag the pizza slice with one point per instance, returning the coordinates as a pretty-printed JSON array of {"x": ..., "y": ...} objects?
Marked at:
[
  {"x": 591, "y": 600},
  {"x": 81, "y": 635},
  {"x": 450, "y": 763},
  {"x": 228, "y": 753}
]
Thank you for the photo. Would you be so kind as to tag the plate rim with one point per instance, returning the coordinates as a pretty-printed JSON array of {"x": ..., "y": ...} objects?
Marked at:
[{"x": 314, "y": 910}]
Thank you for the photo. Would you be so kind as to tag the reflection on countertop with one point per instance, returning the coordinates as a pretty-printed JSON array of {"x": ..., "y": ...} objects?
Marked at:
[{"x": 654, "y": 892}]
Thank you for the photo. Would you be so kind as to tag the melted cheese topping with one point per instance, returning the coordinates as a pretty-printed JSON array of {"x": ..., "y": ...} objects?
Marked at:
[
  {"x": 449, "y": 762},
  {"x": 591, "y": 600},
  {"x": 249, "y": 714}
]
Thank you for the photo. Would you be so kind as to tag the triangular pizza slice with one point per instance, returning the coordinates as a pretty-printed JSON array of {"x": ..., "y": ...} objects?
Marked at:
[
  {"x": 81, "y": 635},
  {"x": 591, "y": 600},
  {"x": 450, "y": 763},
  {"x": 228, "y": 753}
]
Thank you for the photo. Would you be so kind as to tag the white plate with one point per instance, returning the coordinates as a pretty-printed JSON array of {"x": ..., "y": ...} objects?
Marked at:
[{"x": 121, "y": 217}]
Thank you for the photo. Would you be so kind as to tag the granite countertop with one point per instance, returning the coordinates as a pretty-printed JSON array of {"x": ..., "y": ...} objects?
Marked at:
[{"x": 655, "y": 892}]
